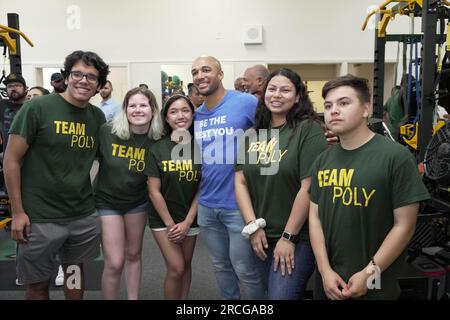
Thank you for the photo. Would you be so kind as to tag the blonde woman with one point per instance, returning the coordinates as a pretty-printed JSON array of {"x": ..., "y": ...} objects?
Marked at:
[{"x": 121, "y": 189}]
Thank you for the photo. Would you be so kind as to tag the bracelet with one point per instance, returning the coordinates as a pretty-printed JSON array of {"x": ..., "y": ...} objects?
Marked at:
[{"x": 252, "y": 227}]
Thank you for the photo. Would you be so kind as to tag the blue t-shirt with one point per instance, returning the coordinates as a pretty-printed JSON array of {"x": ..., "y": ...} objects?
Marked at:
[{"x": 217, "y": 133}]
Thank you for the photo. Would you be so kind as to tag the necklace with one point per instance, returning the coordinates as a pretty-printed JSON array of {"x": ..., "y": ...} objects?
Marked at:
[
  {"x": 135, "y": 143},
  {"x": 281, "y": 128}
]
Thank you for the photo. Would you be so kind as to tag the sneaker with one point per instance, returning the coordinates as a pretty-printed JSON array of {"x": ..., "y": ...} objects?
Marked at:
[
  {"x": 59, "y": 280},
  {"x": 18, "y": 283}
]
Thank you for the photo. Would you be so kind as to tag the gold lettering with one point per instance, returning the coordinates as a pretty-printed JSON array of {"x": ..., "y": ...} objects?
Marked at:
[
  {"x": 345, "y": 178},
  {"x": 187, "y": 165},
  {"x": 357, "y": 204},
  {"x": 129, "y": 153},
  {"x": 65, "y": 125},
  {"x": 325, "y": 178},
  {"x": 282, "y": 154},
  {"x": 367, "y": 197},
  {"x": 337, "y": 193},
  {"x": 114, "y": 148},
  {"x": 58, "y": 126},
  {"x": 320, "y": 178},
  {"x": 139, "y": 154},
  {"x": 348, "y": 191},
  {"x": 333, "y": 178}
]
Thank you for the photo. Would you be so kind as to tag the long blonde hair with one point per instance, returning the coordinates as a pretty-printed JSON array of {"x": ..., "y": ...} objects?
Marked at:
[{"x": 120, "y": 124}]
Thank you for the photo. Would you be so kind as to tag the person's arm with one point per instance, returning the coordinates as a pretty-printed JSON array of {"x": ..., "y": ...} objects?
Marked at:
[
  {"x": 179, "y": 230},
  {"x": 393, "y": 245},
  {"x": 284, "y": 249},
  {"x": 15, "y": 151},
  {"x": 258, "y": 239},
  {"x": 154, "y": 192},
  {"x": 330, "y": 279}
]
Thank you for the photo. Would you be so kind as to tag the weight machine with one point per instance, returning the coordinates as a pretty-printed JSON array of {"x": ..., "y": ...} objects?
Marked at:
[
  {"x": 429, "y": 249},
  {"x": 10, "y": 41}
]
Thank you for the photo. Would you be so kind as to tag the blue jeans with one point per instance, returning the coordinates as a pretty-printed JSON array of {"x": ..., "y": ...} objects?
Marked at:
[
  {"x": 287, "y": 287},
  {"x": 231, "y": 253}
]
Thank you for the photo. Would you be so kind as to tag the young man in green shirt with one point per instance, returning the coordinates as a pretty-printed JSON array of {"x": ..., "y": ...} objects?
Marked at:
[
  {"x": 52, "y": 144},
  {"x": 365, "y": 195}
]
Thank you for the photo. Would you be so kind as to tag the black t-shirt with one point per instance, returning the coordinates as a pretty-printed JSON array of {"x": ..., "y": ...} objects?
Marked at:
[{"x": 8, "y": 110}]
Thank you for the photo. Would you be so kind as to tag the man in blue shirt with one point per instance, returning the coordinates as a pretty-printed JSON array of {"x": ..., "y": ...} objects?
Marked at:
[
  {"x": 108, "y": 105},
  {"x": 217, "y": 124}
]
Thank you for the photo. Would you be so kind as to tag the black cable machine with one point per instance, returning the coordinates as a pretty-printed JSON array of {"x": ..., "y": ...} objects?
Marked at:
[
  {"x": 10, "y": 41},
  {"x": 429, "y": 249}
]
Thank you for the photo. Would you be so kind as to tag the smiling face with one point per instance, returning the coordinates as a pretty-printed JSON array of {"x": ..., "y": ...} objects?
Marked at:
[
  {"x": 79, "y": 92},
  {"x": 179, "y": 115},
  {"x": 139, "y": 113},
  {"x": 206, "y": 75},
  {"x": 344, "y": 112},
  {"x": 280, "y": 95}
]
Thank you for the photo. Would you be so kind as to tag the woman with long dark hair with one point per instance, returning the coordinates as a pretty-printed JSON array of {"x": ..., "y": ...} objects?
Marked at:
[{"x": 272, "y": 181}]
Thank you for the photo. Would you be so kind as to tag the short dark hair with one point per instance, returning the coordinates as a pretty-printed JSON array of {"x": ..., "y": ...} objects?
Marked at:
[
  {"x": 167, "y": 131},
  {"x": 90, "y": 59},
  {"x": 41, "y": 89},
  {"x": 106, "y": 82},
  {"x": 360, "y": 85},
  {"x": 191, "y": 87}
]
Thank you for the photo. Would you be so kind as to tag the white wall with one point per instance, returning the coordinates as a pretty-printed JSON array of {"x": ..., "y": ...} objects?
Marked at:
[{"x": 145, "y": 34}]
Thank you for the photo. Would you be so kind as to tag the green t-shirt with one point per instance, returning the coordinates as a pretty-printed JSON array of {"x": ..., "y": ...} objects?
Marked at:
[
  {"x": 180, "y": 178},
  {"x": 396, "y": 113},
  {"x": 121, "y": 183},
  {"x": 273, "y": 194},
  {"x": 357, "y": 192},
  {"x": 62, "y": 140}
]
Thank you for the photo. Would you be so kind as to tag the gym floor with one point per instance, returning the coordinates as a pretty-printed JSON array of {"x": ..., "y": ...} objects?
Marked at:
[{"x": 152, "y": 284}]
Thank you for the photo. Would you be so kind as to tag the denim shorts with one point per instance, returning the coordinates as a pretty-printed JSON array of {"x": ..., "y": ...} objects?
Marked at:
[{"x": 113, "y": 212}]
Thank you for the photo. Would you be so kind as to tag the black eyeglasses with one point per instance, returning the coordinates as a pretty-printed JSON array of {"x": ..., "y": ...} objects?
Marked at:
[{"x": 78, "y": 76}]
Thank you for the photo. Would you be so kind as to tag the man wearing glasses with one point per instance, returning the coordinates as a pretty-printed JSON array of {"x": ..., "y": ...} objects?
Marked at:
[
  {"x": 52, "y": 145},
  {"x": 16, "y": 89}
]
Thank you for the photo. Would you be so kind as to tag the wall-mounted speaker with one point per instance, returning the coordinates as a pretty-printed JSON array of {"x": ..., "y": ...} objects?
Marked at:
[{"x": 252, "y": 34}]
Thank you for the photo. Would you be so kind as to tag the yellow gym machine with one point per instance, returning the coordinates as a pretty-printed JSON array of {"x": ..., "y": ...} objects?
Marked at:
[
  {"x": 10, "y": 41},
  {"x": 429, "y": 250}
]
